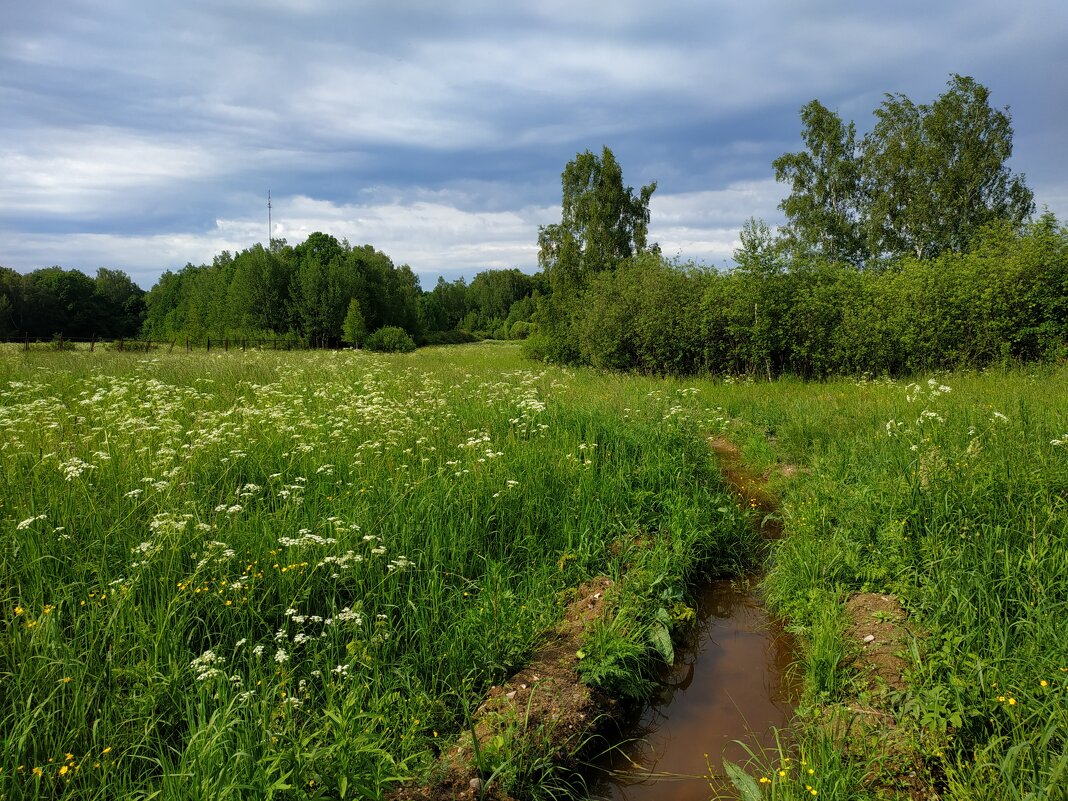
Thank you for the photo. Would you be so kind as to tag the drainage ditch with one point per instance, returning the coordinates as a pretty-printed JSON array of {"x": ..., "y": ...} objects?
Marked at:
[
  {"x": 730, "y": 684},
  {"x": 730, "y": 688}
]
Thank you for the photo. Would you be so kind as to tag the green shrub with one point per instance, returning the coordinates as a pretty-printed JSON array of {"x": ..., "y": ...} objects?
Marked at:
[
  {"x": 453, "y": 337},
  {"x": 390, "y": 339},
  {"x": 521, "y": 329}
]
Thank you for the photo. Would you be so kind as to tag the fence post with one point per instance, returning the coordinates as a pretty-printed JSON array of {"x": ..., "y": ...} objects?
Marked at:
[
  {"x": 188, "y": 347},
  {"x": 26, "y": 345},
  {"x": 209, "y": 344},
  {"x": 171, "y": 348},
  {"x": 122, "y": 345}
]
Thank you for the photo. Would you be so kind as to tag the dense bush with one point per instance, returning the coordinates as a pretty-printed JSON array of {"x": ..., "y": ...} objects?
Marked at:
[
  {"x": 390, "y": 339},
  {"x": 1004, "y": 300},
  {"x": 520, "y": 329}
]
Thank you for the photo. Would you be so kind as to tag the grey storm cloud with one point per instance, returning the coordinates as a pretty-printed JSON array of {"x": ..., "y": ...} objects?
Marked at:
[{"x": 143, "y": 135}]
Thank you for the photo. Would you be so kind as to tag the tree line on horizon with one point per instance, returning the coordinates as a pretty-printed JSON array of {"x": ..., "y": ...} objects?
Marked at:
[
  {"x": 321, "y": 292},
  {"x": 914, "y": 248},
  {"x": 911, "y": 248}
]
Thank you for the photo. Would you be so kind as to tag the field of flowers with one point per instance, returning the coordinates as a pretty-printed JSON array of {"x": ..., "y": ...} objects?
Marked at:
[
  {"x": 294, "y": 575},
  {"x": 266, "y": 574}
]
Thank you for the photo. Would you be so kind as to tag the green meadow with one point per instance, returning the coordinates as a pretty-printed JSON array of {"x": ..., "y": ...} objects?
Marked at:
[{"x": 295, "y": 575}]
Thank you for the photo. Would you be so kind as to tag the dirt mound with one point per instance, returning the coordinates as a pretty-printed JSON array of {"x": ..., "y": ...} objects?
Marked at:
[
  {"x": 879, "y": 632},
  {"x": 544, "y": 710}
]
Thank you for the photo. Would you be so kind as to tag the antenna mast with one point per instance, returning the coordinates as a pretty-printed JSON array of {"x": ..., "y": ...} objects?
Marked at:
[{"x": 270, "y": 228}]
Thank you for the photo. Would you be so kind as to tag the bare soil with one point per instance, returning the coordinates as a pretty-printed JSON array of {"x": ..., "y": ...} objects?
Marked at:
[
  {"x": 879, "y": 633},
  {"x": 545, "y": 706}
]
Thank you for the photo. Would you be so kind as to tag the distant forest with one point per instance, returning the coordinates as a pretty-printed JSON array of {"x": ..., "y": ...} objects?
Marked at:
[
  {"x": 911, "y": 248},
  {"x": 304, "y": 294}
]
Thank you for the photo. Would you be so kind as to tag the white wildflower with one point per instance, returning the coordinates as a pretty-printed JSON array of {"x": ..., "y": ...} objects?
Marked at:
[{"x": 29, "y": 521}]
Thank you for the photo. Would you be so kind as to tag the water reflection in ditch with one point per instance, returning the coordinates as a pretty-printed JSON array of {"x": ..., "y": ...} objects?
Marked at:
[{"x": 730, "y": 682}]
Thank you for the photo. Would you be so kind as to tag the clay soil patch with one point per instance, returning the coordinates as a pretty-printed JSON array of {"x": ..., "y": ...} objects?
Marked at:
[
  {"x": 544, "y": 708},
  {"x": 878, "y": 631}
]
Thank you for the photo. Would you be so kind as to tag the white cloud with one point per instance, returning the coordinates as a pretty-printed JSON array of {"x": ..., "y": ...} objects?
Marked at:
[
  {"x": 91, "y": 171},
  {"x": 379, "y": 122}
]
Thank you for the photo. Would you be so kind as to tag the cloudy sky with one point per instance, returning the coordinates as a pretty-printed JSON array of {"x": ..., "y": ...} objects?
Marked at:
[{"x": 142, "y": 135}]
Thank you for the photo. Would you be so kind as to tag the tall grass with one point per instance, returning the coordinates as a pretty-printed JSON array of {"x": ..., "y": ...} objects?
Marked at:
[
  {"x": 261, "y": 574},
  {"x": 950, "y": 492}
]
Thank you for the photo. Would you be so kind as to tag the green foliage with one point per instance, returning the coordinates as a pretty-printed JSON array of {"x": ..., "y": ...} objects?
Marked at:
[
  {"x": 401, "y": 529},
  {"x": 390, "y": 339},
  {"x": 520, "y": 329},
  {"x": 825, "y": 202},
  {"x": 303, "y": 292},
  {"x": 935, "y": 175},
  {"x": 926, "y": 180},
  {"x": 451, "y": 337},
  {"x": 602, "y": 224},
  {"x": 643, "y": 316},
  {"x": 54, "y": 301},
  {"x": 616, "y": 660},
  {"x": 947, "y": 493},
  {"x": 745, "y": 784},
  {"x": 354, "y": 329}
]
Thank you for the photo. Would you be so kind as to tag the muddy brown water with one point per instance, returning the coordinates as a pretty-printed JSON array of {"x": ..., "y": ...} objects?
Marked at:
[{"x": 730, "y": 682}]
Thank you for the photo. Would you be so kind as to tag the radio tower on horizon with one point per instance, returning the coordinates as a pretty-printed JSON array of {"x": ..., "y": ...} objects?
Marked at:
[{"x": 270, "y": 228}]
